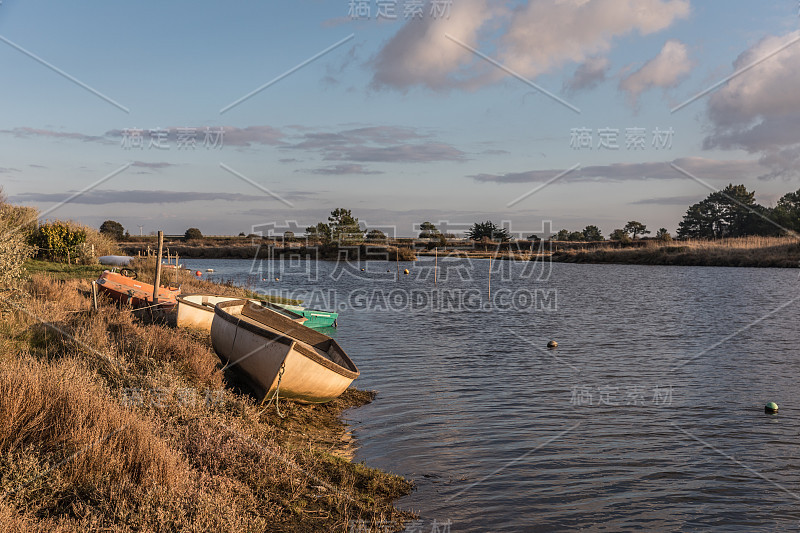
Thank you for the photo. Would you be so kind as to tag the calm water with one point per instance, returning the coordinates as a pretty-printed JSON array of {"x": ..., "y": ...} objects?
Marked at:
[{"x": 648, "y": 415}]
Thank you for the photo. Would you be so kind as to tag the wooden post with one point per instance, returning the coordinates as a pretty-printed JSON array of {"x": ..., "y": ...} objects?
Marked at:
[
  {"x": 176, "y": 269},
  {"x": 158, "y": 266},
  {"x": 397, "y": 261},
  {"x": 435, "y": 264},
  {"x": 94, "y": 294},
  {"x": 490, "y": 280}
]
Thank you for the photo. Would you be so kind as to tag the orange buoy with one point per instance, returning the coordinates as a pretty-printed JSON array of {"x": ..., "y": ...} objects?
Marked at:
[{"x": 198, "y": 273}]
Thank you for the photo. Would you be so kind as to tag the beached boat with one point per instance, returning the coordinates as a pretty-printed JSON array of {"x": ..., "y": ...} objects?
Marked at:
[
  {"x": 115, "y": 260},
  {"x": 197, "y": 310},
  {"x": 316, "y": 318},
  {"x": 131, "y": 292},
  {"x": 276, "y": 352}
]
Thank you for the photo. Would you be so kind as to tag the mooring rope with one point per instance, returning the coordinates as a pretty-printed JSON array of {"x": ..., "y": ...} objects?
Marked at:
[{"x": 275, "y": 396}]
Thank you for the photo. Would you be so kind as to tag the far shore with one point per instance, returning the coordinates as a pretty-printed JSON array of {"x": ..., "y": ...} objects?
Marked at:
[{"x": 766, "y": 252}]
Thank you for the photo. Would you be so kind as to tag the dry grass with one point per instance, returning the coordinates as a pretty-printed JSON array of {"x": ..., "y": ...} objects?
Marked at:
[
  {"x": 740, "y": 252},
  {"x": 114, "y": 425}
]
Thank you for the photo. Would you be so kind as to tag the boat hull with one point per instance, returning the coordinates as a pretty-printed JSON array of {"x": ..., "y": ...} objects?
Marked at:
[
  {"x": 197, "y": 310},
  {"x": 259, "y": 341},
  {"x": 128, "y": 291}
]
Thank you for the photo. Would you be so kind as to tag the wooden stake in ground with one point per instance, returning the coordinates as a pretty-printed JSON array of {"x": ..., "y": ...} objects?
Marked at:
[
  {"x": 94, "y": 294},
  {"x": 176, "y": 269},
  {"x": 158, "y": 266},
  {"x": 397, "y": 261},
  {"x": 435, "y": 264},
  {"x": 490, "y": 279}
]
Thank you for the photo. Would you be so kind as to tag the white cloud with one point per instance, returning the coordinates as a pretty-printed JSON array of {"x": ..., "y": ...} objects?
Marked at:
[
  {"x": 531, "y": 39},
  {"x": 665, "y": 70},
  {"x": 759, "y": 110}
]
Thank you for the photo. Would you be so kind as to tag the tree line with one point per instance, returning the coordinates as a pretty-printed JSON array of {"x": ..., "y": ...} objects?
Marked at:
[{"x": 730, "y": 212}]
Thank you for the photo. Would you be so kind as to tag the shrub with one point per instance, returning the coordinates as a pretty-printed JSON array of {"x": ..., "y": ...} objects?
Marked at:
[
  {"x": 14, "y": 247},
  {"x": 192, "y": 233},
  {"x": 113, "y": 229}
]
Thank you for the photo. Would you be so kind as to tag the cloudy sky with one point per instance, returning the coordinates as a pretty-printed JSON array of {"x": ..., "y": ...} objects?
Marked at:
[{"x": 230, "y": 116}]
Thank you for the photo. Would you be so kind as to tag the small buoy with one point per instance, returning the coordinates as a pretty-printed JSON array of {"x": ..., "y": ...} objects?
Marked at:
[
  {"x": 198, "y": 273},
  {"x": 771, "y": 408},
  {"x": 209, "y": 270},
  {"x": 552, "y": 344},
  {"x": 405, "y": 271},
  {"x": 362, "y": 270},
  {"x": 277, "y": 279}
]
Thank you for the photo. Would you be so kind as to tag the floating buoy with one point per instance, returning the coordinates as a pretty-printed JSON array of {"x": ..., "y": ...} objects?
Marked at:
[
  {"x": 552, "y": 344},
  {"x": 277, "y": 279},
  {"x": 198, "y": 273},
  {"x": 405, "y": 272},
  {"x": 209, "y": 270},
  {"x": 771, "y": 408}
]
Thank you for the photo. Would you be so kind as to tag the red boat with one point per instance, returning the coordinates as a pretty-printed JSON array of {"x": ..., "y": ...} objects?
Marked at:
[{"x": 136, "y": 293}]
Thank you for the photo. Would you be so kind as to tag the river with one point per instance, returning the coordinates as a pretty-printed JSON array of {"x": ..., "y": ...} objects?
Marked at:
[{"x": 648, "y": 415}]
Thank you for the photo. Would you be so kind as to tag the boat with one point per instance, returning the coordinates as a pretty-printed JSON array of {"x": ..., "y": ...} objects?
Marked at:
[
  {"x": 171, "y": 266},
  {"x": 197, "y": 310},
  {"x": 280, "y": 357},
  {"x": 316, "y": 318},
  {"x": 128, "y": 291},
  {"x": 115, "y": 260},
  {"x": 209, "y": 270}
]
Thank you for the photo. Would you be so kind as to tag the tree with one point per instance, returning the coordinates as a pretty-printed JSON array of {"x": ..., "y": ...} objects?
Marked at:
[
  {"x": 192, "y": 233},
  {"x": 113, "y": 229},
  {"x": 635, "y": 228},
  {"x": 787, "y": 212},
  {"x": 488, "y": 230},
  {"x": 731, "y": 212},
  {"x": 241, "y": 234},
  {"x": 428, "y": 231},
  {"x": 344, "y": 228},
  {"x": 575, "y": 236},
  {"x": 376, "y": 235},
  {"x": 592, "y": 233},
  {"x": 562, "y": 235},
  {"x": 320, "y": 232},
  {"x": 620, "y": 235},
  {"x": 663, "y": 235}
]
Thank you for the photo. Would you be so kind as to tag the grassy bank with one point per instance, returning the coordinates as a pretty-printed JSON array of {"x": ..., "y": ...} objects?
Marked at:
[
  {"x": 781, "y": 252},
  {"x": 116, "y": 425}
]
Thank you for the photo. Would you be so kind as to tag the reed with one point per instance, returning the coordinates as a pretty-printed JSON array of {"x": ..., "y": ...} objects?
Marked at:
[{"x": 783, "y": 252}]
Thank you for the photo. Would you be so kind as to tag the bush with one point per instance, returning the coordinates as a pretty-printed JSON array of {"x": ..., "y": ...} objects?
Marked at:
[
  {"x": 192, "y": 233},
  {"x": 113, "y": 229},
  {"x": 15, "y": 231},
  {"x": 72, "y": 242}
]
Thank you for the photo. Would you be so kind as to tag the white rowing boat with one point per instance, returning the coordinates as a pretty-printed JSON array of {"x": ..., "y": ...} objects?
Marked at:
[
  {"x": 197, "y": 310},
  {"x": 278, "y": 353}
]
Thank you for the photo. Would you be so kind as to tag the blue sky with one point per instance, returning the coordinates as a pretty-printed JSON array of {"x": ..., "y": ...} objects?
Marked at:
[{"x": 398, "y": 123}]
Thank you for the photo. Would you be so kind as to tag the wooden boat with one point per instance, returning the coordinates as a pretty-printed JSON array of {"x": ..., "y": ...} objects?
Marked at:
[
  {"x": 136, "y": 293},
  {"x": 316, "y": 318},
  {"x": 197, "y": 310},
  {"x": 276, "y": 352}
]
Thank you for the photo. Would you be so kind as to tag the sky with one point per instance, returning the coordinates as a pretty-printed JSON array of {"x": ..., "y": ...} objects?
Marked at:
[{"x": 264, "y": 116}]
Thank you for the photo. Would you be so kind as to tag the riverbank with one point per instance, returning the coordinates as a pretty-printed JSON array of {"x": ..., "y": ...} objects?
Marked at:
[
  {"x": 775, "y": 252},
  {"x": 112, "y": 423}
]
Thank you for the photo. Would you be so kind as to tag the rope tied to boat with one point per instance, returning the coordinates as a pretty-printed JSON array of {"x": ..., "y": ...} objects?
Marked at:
[{"x": 275, "y": 395}]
